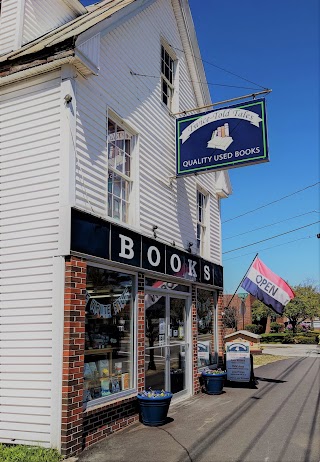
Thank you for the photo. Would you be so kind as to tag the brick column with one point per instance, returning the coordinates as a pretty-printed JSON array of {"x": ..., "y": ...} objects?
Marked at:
[
  {"x": 221, "y": 330},
  {"x": 141, "y": 333},
  {"x": 194, "y": 342},
  {"x": 73, "y": 356}
]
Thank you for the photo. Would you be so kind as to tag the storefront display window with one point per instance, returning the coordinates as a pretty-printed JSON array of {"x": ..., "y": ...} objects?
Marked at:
[
  {"x": 205, "y": 322},
  {"x": 156, "y": 284},
  {"x": 108, "y": 357}
]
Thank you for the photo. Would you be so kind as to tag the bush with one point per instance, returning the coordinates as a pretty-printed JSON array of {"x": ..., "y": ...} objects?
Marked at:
[
  {"x": 272, "y": 338},
  {"x": 288, "y": 338},
  {"x": 275, "y": 327},
  {"x": 19, "y": 453},
  {"x": 285, "y": 338},
  {"x": 304, "y": 340},
  {"x": 254, "y": 328}
]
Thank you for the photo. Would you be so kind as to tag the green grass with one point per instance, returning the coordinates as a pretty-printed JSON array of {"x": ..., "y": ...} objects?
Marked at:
[
  {"x": 263, "y": 359},
  {"x": 21, "y": 453}
]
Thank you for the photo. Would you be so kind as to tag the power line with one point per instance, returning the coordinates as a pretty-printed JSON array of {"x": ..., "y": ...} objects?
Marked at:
[
  {"x": 221, "y": 68},
  {"x": 272, "y": 237},
  {"x": 270, "y": 224},
  {"x": 272, "y": 247},
  {"x": 273, "y": 202},
  {"x": 193, "y": 81}
]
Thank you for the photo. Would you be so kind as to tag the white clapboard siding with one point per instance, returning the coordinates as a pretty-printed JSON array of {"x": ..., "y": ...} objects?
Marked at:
[
  {"x": 135, "y": 45},
  {"x": 8, "y": 25},
  {"x": 29, "y": 233},
  {"x": 91, "y": 49},
  {"x": 41, "y": 17}
]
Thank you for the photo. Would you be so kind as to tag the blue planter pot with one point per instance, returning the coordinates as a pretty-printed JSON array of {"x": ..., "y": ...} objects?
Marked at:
[
  {"x": 153, "y": 411},
  {"x": 214, "y": 382}
]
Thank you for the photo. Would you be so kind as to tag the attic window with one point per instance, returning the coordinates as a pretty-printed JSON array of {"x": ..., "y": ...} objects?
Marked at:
[{"x": 167, "y": 76}]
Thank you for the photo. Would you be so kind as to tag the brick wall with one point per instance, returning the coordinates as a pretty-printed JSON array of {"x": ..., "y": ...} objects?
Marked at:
[
  {"x": 194, "y": 327},
  {"x": 73, "y": 356},
  {"x": 221, "y": 330},
  {"x": 82, "y": 428},
  {"x": 236, "y": 303}
]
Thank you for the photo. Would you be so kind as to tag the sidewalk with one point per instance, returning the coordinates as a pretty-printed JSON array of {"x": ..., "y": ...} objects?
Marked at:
[
  {"x": 242, "y": 424},
  {"x": 189, "y": 423}
]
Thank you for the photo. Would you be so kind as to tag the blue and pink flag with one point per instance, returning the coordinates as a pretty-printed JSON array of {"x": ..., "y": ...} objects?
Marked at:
[{"x": 267, "y": 287}]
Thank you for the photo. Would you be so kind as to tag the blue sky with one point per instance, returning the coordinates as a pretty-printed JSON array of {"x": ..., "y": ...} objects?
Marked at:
[{"x": 275, "y": 45}]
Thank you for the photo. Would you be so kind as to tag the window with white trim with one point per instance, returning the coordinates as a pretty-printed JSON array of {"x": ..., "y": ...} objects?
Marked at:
[
  {"x": 120, "y": 144},
  {"x": 201, "y": 221},
  {"x": 167, "y": 76}
]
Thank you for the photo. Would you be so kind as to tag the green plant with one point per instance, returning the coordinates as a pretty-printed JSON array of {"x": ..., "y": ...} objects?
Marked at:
[
  {"x": 21, "y": 453},
  {"x": 275, "y": 327},
  {"x": 213, "y": 371},
  {"x": 272, "y": 338},
  {"x": 154, "y": 393},
  {"x": 254, "y": 328},
  {"x": 305, "y": 340},
  {"x": 288, "y": 338}
]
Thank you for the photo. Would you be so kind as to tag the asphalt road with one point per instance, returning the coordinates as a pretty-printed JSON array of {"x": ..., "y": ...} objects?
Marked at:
[
  {"x": 311, "y": 351},
  {"x": 276, "y": 421}
]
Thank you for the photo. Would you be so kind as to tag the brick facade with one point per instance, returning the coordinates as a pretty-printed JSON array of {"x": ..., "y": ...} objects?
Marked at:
[
  {"x": 81, "y": 428},
  {"x": 73, "y": 356},
  {"x": 236, "y": 303},
  {"x": 194, "y": 327}
]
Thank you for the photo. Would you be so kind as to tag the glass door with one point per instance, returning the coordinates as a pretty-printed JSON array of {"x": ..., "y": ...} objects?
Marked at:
[
  {"x": 155, "y": 342},
  {"x": 166, "y": 344},
  {"x": 177, "y": 344}
]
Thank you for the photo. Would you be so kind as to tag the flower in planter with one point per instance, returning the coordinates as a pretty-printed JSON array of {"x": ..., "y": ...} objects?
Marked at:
[
  {"x": 214, "y": 371},
  {"x": 154, "y": 393}
]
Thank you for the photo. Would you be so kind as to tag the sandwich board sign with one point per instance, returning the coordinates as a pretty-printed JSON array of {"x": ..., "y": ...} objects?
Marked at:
[
  {"x": 238, "y": 362},
  {"x": 233, "y": 136}
]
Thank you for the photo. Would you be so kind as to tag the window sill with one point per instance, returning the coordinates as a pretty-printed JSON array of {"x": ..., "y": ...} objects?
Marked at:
[{"x": 109, "y": 401}]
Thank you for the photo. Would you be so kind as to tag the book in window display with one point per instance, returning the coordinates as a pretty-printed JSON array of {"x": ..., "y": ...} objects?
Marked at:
[{"x": 125, "y": 381}]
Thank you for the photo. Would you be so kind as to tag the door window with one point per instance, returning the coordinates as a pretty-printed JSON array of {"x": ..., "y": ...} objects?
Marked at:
[{"x": 166, "y": 347}]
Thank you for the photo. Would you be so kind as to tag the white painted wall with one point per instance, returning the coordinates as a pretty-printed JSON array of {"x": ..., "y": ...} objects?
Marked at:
[
  {"x": 41, "y": 17},
  {"x": 135, "y": 46},
  {"x": 29, "y": 230},
  {"x": 22, "y": 21},
  {"x": 9, "y": 20}
]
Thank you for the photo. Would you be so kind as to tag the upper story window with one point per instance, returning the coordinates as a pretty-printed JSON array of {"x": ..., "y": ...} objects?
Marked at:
[
  {"x": 167, "y": 76},
  {"x": 201, "y": 221},
  {"x": 120, "y": 144},
  {"x": 0, "y": 6}
]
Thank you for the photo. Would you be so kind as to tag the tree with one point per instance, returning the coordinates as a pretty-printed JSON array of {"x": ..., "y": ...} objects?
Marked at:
[
  {"x": 305, "y": 305},
  {"x": 230, "y": 317}
]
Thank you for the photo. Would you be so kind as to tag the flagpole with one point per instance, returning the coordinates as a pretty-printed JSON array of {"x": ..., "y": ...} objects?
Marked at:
[{"x": 241, "y": 282}]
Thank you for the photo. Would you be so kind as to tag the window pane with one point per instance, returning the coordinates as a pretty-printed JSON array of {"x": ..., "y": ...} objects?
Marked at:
[
  {"x": 124, "y": 211},
  {"x": 127, "y": 165},
  {"x": 109, "y": 334},
  {"x": 198, "y": 232},
  {"x": 116, "y": 185},
  {"x": 205, "y": 326},
  {"x": 166, "y": 58},
  {"x": 166, "y": 285},
  {"x": 116, "y": 208},
  {"x": 167, "y": 72},
  {"x": 110, "y": 205}
]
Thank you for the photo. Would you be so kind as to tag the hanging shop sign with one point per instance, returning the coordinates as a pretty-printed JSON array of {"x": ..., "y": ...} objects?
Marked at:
[
  {"x": 230, "y": 137},
  {"x": 94, "y": 236}
]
